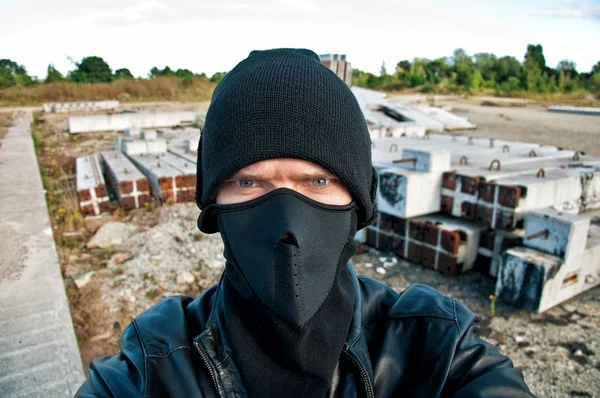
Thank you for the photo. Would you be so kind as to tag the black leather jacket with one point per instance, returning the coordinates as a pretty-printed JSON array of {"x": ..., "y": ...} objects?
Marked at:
[{"x": 419, "y": 343}]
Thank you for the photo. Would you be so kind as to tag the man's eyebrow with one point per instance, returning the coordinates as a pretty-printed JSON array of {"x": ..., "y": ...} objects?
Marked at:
[{"x": 249, "y": 176}]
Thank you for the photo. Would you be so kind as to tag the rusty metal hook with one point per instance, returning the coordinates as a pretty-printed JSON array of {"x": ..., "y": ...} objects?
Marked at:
[
  {"x": 505, "y": 148},
  {"x": 491, "y": 142},
  {"x": 463, "y": 161},
  {"x": 496, "y": 162},
  {"x": 394, "y": 146},
  {"x": 541, "y": 173},
  {"x": 532, "y": 154},
  {"x": 576, "y": 155}
]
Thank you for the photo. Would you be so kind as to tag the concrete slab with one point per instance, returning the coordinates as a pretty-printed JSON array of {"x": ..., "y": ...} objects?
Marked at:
[{"x": 39, "y": 354}]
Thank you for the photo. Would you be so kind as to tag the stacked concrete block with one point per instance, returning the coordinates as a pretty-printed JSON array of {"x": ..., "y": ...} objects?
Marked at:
[
  {"x": 127, "y": 182},
  {"x": 91, "y": 188},
  {"x": 171, "y": 178},
  {"x": 80, "y": 106},
  {"x": 143, "y": 147},
  {"x": 559, "y": 260},
  {"x": 125, "y": 121},
  {"x": 491, "y": 246},
  {"x": 435, "y": 241},
  {"x": 149, "y": 135}
]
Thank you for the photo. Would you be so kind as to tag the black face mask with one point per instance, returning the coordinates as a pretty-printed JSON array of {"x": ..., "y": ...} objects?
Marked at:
[
  {"x": 293, "y": 298},
  {"x": 286, "y": 249}
]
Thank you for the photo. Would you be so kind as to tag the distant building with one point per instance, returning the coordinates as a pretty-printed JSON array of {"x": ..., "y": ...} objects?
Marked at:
[{"x": 338, "y": 64}]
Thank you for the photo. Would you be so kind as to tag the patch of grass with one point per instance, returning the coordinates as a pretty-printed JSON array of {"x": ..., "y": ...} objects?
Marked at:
[
  {"x": 159, "y": 89},
  {"x": 152, "y": 293},
  {"x": 6, "y": 121},
  {"x": 118, "y": 271},
  {"x": 489, "y": 103}
]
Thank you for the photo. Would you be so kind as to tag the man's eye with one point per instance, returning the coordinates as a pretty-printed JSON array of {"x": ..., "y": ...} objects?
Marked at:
[
  {"x": 319, "y": 182},
  {"x": 245, "y": 184}
]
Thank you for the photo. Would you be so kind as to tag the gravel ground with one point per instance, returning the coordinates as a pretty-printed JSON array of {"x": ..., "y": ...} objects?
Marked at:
[{"x": 559, "y": 351}]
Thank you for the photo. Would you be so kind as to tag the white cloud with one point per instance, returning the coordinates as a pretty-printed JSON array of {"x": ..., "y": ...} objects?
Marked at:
[{"x": 571, "y": 9}]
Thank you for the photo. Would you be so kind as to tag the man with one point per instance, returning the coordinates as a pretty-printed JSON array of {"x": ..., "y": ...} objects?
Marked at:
[{"x": 285, "y": 175}]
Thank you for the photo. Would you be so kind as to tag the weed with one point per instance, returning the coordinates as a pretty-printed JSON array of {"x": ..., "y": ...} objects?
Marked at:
[
  {"x": 152, "y": 293},
  {"x": 118, "y": 271},
  {"x": 6, "y": 121},
  {"x": 489, "y": 103}
]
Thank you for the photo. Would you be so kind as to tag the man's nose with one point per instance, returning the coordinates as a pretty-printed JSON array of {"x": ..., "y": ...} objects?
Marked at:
[{"x": 288, "y": 238}]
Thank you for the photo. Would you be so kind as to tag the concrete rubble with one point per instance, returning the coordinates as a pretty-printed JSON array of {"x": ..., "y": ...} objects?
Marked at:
[
  {"x": 91, "y": 188},
  {"x": 455, "y": 203}
]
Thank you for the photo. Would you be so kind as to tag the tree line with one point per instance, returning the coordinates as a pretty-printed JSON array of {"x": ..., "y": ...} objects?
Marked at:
[
  {"x": 462, "y": 73},
  {"x": 458, "y": 73},
  {"x": 91, "y": 69}
]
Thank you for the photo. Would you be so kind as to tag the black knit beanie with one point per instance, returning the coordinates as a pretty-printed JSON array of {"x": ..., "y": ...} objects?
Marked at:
[{"x": 284, "y": 103}]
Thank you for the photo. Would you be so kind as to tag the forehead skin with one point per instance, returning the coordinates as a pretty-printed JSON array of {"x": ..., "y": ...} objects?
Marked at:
[{"x": 297, "y": 174}]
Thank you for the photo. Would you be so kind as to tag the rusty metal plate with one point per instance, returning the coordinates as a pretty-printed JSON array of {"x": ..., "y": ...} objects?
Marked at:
[
  {"x": 430, "y": 234},
  {"x": 101, "y": 191},
  {"x": 450, "y": 241},
  {"x": 508, "y": 196},
  {"x": 104, "y": 206},
  {"x": 128, "y": 203},
  {"x": 414, "y": 252},
  {"x": 166, "y": 184},
  {"x": 399, "y": 246},
  {"x": 448, "y": 265},
  {"x": 142, "y": 185},
  {"x": 143, "y": 199},
  {"x": 167, "y": 195},
  {"x": 186, "y": 195},
  {"x": 400, "y": 227},
  {"x": 486, "y": 240},
  {"x": 415, "y": 230},
  {"x": 487, "y": 191},
  {"x": 470, "y": 185},
  {"x": 485, "y": 216},
  {"x": 126, "y": 187},
  {"x": 84, "y": 195},
  {"x": 447, "y": 204},
  {"x": 449, "y": 180},
  {"x": 185, "y": 181},
  {"x": 386, "y": 222},
  {"x": 386, "y": 242},
  {"x": 468, "y": 211},
  {"x": 371, "y": 237},
  {"x": 428, "y": 256},
  {"x": 88, "y": 210},
  {"x": 506, "y": 219}
]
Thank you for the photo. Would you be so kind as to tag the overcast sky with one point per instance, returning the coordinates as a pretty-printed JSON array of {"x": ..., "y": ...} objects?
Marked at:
[{"x": 210, "y": 36}]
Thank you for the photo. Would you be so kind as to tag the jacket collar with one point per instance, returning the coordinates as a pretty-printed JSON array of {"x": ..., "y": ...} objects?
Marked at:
[{"x": 215, "y": 347}]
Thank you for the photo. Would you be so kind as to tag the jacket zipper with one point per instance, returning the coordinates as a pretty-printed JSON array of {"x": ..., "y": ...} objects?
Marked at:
[
  {"x": 210, "y": 369},
  {"x": 363, "y": 372}
]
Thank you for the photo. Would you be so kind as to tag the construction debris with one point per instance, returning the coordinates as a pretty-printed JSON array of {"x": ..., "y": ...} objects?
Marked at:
[
  {"x": 126, "y": 181},
  {"x": 515, "y": 210},
  {"x": 91, "y": 189}
]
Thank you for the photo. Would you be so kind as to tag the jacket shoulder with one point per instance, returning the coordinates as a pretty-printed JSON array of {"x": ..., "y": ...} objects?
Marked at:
[
  {"x": 417, "y": 300},
  {"x": 172, "y": 323}
]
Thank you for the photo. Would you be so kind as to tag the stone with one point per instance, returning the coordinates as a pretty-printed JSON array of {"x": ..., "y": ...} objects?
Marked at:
[
  {"x": 84, "y": 279},
  {"x": 117, "y": 259},
  {"x": 92, "y": 224},
  {"x": 380, "y": 270},
  {"x": 184, "y": 278},
  {"x": 111, "y": 234}
]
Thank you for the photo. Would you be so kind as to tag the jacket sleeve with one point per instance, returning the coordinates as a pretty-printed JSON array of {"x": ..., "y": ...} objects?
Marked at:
[
  {"x": 120, "y": 375},
  {"x": 478, "y": 369}
]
